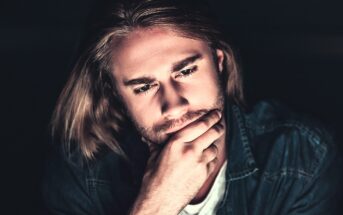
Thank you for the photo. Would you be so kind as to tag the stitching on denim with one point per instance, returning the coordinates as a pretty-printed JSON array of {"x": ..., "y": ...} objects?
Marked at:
[
  {"x": 92, "y": 182},
  {"x": 241, "y": 175},
  {"x": 292, "y": 124},
  {"x": 244, "y": 135},
  {"x": 288, "y": 172},
  {"x": 305, "y": 130}
]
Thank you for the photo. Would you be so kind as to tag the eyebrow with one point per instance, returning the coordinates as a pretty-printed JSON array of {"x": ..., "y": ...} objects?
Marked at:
[
  {"x": 141, "y": 80},
  {"x": 175, "y": 67},
  {"x": 183, "y": 63}
]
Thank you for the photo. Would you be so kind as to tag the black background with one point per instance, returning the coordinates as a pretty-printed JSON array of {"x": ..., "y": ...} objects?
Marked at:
[{"x": 289, "y": 50}]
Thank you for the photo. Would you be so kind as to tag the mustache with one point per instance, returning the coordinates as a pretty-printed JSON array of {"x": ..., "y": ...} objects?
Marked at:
[{"x": 174, "y": 122}]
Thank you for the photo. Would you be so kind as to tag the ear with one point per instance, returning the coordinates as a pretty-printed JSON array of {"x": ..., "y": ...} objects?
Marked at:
[{"x": 220, "y": 59}]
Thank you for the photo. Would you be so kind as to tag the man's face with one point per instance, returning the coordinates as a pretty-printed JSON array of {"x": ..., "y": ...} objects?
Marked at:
[{"x": 166, "y": 81}]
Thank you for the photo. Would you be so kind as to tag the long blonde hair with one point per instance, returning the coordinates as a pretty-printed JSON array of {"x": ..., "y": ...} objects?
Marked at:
[{"x": 89, "y": 112}]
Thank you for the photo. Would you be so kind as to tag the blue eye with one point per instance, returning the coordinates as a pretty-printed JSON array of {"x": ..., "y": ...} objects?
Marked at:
[{"x": 186, "y": 72}]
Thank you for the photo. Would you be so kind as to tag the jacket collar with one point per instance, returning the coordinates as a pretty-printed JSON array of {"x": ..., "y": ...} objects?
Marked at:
[{"x": 241, "y": 162}]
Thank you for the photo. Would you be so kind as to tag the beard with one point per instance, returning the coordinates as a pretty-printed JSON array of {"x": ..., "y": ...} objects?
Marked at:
[{"x": 157, "y": 133}]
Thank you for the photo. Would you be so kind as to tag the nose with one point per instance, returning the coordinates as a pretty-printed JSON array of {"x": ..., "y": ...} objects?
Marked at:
[{"x": 173, "y": 104}]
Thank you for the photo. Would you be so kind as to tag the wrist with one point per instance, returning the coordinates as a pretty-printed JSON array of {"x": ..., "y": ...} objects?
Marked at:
[{"x": 147, "y": 206}]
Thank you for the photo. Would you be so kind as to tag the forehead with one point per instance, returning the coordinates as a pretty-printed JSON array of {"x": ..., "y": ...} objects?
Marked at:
[{"x": 153, "y": 48}]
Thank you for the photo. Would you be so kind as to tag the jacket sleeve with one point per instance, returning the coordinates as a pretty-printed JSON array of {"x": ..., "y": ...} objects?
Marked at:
[{"x": 321, "y": 194}]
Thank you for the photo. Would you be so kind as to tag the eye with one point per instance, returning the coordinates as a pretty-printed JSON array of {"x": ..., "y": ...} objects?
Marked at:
[
  {"x": 144, "y": 88},
  {"x": 186, "y": 72}
]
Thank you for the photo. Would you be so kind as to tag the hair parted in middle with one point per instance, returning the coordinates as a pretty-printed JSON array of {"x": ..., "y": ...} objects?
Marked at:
[{"x": 89, "y": 112}]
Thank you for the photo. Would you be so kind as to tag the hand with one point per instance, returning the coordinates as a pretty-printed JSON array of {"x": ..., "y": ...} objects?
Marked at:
[{"x": 174, "y": 175}]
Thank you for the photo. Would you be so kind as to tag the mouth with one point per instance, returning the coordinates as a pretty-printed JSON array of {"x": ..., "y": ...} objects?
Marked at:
[{"x": 178, "y": 126}]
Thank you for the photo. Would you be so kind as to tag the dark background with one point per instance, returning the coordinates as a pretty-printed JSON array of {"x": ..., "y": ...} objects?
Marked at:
[{"x": 289, "y": 50}]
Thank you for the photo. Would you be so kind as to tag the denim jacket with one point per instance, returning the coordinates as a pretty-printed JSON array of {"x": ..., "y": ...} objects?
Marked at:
[{"x": 278, "y": 163}]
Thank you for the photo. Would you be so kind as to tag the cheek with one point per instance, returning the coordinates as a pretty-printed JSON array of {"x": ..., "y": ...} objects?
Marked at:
[
  {"x": 204, "y": 89},
  {"x": 205, "y": 93},
  {"x": 144, "y": 116},
  {"x": 140, "y": 111}
]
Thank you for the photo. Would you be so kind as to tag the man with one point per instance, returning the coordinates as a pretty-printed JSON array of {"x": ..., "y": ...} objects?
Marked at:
[{"x": 151, "y": 121}]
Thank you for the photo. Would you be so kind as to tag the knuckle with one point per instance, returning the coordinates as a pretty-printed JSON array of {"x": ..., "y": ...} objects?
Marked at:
[
  {"x": 211, "y": 149},
  {"x": 214, "y": 162},
  {"x": 211, "y": 165},
  {"x": 209, "y": 154},
  {"x": 214, "y": 149},
  {"x": 188, "y": 150}
]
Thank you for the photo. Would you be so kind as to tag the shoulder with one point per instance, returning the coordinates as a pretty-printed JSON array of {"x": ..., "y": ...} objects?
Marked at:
[
  {"x": 99, "y": 186},
  {"x": 286, "y": 143},
  {"x": 64, "y": 187},
  {"x": 73, "y": 171}
]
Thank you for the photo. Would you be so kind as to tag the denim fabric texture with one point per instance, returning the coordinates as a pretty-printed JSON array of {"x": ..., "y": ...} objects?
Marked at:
[{"x": 278, "y": 163}]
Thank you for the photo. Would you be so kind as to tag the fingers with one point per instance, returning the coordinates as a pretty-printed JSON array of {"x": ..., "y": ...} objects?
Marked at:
[
  {"x": 211, "y": 166},
  {"x": 205, "y": 140},
  {"x": 209, "y": 154},
  {"x": 198, "y": 127}
]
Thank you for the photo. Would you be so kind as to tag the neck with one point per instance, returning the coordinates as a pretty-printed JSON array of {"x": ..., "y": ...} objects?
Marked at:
[{"x": 206, "y": 187}]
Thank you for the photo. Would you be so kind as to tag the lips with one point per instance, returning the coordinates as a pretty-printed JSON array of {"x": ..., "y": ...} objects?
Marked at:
[{"x": 176, "y": 127}]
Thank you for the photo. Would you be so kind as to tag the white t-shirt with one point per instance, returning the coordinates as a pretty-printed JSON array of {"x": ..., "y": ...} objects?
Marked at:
[{"x": 209, "y": 205}]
